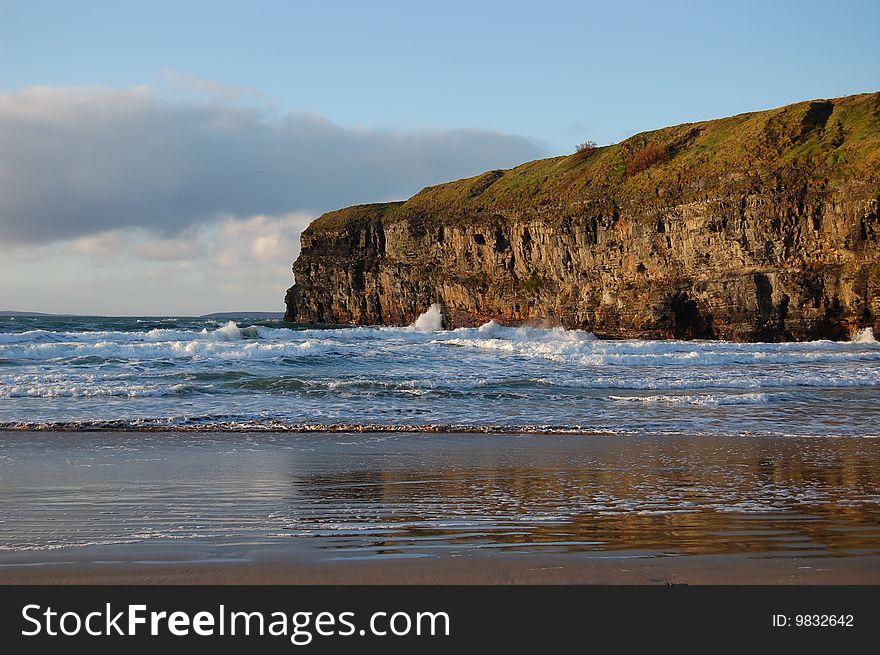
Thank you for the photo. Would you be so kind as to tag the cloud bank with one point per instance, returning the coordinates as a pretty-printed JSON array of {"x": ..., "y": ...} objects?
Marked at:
[{"x": 78, "y": 163}]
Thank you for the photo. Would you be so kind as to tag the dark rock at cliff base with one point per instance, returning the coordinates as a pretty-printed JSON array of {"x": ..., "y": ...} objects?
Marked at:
[{"x": 762, "y": 226}]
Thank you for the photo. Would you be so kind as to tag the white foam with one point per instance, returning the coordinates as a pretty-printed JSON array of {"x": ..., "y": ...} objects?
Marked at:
[
  {"x": 30, "y": 336},
  {"x": 430, "y": 321},
  {"x": 86, "y": 390},
  {"x": 229, "y": 331},
  {"x": 579, "y": 347},
  {"x": 224, "y": 348},
  {"x": 489, "y": 329},
  {"x": 555, "y": 344},
  {"x": 865, "y": 335},
  {"x": 699, "y": 399}
]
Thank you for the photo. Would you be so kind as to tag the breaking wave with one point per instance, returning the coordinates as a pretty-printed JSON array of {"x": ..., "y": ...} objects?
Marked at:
[
  {"x": 491, "y": 378},
  {"x": 700, "y": 399},
  {"x": 865, "y": 335},
  {"x": 430, "y": 321}
]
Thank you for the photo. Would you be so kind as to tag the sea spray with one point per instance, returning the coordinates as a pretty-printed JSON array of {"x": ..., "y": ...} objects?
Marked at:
[
  {"x": 865, "y": 335},
  {"x": 229, "y": 331},
  {"x": 430, "y": 321}
]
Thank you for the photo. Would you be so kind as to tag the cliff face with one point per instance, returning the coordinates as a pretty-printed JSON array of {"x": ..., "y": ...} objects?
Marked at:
[{"x": 763, "y": 226}]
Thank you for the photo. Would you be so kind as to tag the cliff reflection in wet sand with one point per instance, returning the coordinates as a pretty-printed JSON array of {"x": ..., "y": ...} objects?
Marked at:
[
  {"x": 412, "y": 495},
  {"x": 671, "y": 496}
]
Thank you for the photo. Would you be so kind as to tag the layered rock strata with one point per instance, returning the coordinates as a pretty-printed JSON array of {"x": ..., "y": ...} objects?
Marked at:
[{"x": 763, "y": 226}]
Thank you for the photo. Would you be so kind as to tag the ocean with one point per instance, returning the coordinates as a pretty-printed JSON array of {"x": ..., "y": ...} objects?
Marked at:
[
  {"x": 211, "y": 438},
  {"x": 77, "y": 373}
]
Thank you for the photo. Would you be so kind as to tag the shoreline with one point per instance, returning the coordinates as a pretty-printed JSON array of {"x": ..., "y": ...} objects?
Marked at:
[
  {"x": 297, "y": 428},
  {"x": 259, "y": 508},
  {"x": 514, "y": 569},
  {"x": 281, "y": 429}
]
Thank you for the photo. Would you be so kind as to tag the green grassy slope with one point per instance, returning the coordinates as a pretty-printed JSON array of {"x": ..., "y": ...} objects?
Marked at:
[{"x": 821, "y": 142}]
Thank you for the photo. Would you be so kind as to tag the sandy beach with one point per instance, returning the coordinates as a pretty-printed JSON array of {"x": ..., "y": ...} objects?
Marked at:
[
  {"x": 211, "y": 508},
  {"x": 508, "y": 569}
]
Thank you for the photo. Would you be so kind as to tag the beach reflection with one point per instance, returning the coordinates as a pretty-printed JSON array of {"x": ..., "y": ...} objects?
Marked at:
[
  {"x": 424, "y": 495},
  {"x": 673, "y": 496}
]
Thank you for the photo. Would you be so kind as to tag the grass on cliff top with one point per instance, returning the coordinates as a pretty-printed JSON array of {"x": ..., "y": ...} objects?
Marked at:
[
  {"x": 823, "y": 141},
  {"x": 353, "y": 216}
]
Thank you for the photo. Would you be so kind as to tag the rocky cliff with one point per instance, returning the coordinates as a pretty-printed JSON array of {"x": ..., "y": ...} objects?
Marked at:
[{"x": 763, "y": 226}]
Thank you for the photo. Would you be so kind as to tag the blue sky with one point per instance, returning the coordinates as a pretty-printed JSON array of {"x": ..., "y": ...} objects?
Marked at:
[
  {"x": 446, "y": 90},
  {"x": 554, "y": 71}
]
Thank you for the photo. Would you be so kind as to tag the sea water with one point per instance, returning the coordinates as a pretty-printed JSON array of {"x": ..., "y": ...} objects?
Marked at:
[{"x": 186, "y": 373}]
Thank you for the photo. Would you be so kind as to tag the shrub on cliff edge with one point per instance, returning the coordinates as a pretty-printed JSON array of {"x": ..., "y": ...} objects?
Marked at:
[
  {"x": 586, "y": 148},
  {"x": 653, "y": 153}
]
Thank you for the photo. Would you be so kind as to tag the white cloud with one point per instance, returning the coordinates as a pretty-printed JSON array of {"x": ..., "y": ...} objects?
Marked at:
[
  {"x": 75, "y": 162},
  {"x": 259, "y": 250},
  {"x": 125, "y": 202},
  {"x": 186, "y": 245},
  {"x": 233, "y": 263},
  {"x": 102, "y": 245},
  {"x": 190, "y": 86}
]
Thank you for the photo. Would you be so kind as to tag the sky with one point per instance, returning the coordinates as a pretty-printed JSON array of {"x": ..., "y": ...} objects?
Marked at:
[{"x": 163, "y": 157}]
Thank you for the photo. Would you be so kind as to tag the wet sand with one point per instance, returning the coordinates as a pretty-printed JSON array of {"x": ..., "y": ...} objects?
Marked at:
[
  {"x": 508, "y": 569},
  {"x": 130, "y": 508}
]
